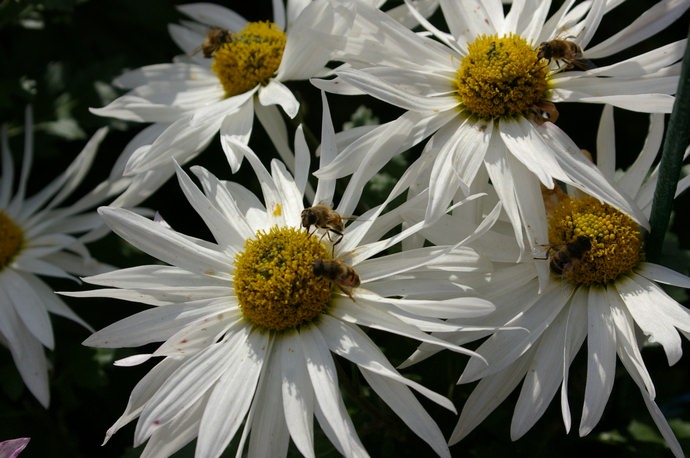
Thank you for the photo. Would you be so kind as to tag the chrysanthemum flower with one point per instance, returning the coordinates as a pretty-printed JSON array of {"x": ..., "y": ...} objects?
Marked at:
[
  {"x": 483, "y": 94},
  {"x": 39, "y": 238},
  {"x": 249, "y": 321},
  {"x": 602, "y": 290},
  {"x": 195, "y": 97}
]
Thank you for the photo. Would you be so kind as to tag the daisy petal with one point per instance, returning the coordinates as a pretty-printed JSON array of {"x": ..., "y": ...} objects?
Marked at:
[
  {"x": 232, "y": 394},
  {"x": 601, "y": 361},
  {"x": 298, "y": 396},
  {"x": 176, "y": 250},
  {"x": 491, "y": 391},
  {"x": 638, "y": 293},
  {"x": 324, "y": 380}
]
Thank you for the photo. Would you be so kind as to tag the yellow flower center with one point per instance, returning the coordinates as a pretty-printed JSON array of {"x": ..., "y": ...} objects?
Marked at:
[
  {"x": 249, "y": 58},
  {"x": 501, "y": 77},
  {"x": 275, "y": 282},
  {"x": 614, "y": 247},
  {"x": 11, "y": 240}
]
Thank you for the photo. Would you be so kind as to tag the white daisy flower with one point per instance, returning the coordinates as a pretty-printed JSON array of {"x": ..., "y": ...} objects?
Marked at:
[
  {"x": 249, "y": 321},
  {"x": 602, "y": 291},
  {"x": 483, "y": 93},
  {"x": 39, "y": 238},
  {"x": 232, "y": 70}
]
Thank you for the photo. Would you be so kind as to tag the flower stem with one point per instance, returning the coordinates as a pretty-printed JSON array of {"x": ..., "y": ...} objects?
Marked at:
[{"x": 677, "y": 139}]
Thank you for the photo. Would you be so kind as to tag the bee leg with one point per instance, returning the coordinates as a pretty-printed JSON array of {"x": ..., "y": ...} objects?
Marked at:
[
  {"x": 340, "y": 238},
  {"x": 346, "y": 291}
]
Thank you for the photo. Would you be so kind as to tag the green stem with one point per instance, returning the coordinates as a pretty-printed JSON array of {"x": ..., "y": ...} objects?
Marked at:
[{"x": 677, "y": 139}]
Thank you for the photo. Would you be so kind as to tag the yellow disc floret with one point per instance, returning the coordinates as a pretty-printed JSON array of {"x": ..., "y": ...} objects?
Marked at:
[
  {"x": 11, "y": 240},
  {"x": 249, "y": 58},
  {"x": 500, "y": 77},
  {"x": 615, "y": 240},
  {"x": 275, "y": 282}
]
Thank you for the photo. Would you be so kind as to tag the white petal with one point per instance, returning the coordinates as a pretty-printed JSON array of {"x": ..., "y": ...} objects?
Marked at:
[
  {"x": 655, "y": 19},
  {"x": 229, "y": 204},
  {"x": 27, "y": 351},
  {"x": 659, "y": 419},
  {"x": 487, "y": 395},
  {"x": 29, "y": 306},
  {"x": 411, "y": 91},
  {"x": 405, "y": 405},
  {"x": 473, "y": 142},
  {"x": 272, "y": 195},
  {"x": 591, "y": 22},
  {"x": 177, "y": 433},
  {"x": 353, "y": 344},
  {"x": 663, "y": 274},
  {"x": 505, "y": 346},
  {"x": 633, "y": 178},
  {"x": 324, "y": 379},
  {"x": 276, "y": 93},
  {"x": 273, "y": 123},
  {"x": 215, "y": 15},
  {"x": 290, "y": 197},
  {"x": 469, "y": 19},
  {"x": 315, "y": 29},
  {"x": 142, "y": 392},
  {"x": 325, "y": 187},
  {"x": 221, "y": 229},
  {"x": 386, "y": 266},
  {"x": 373, "y": 315},
  {"x": 496, "y": 163},
  {"x": 664, "y": 427},
  {"x": 606, "y": 144},
  {"x": 542, "y": 379},
  {"x": 166, "y": 245},
  {"x": 417, "y": 125},
  {"x": 269, "y": 431},
  {"x": 576, "y": 332},
  {"x": 236, "y": 129},
  {"x": 628, "y": 347},
  {"x": 583, "y": 174},
  {"x": 525, "y": 142},
  {"x": 152, "y": 325},
  {"x": 601, "y": 359},
  {"x": 53, "y": 303},
  {"x": 444, "y": 181},
  {"x": 233, "y": 391},
  {"x": 298, "y": 395},
  {"x": 638, "y": 293},
  {"x": 199, "y": 334}
]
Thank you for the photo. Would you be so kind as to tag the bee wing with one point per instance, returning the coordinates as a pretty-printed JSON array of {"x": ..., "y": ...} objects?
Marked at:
[{"x": 583, "y": 64}]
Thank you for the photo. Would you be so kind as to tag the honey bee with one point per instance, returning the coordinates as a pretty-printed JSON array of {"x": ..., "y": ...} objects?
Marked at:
[
  {"x": 566, "y": 51},
  {"x": 323, "y": 217},
  {"x": 542, "y": 112},
  {"x": 214, "y": 39},
  {"x": 564, "y": 257},
  {"x": 344, "y": 276}
]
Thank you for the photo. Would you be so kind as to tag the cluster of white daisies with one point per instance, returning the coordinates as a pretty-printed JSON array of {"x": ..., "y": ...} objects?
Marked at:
[{"x": 501, "y": 231}]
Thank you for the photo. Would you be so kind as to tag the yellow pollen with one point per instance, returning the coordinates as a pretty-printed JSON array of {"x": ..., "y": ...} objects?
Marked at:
[
  {"x": 277, "y": 210},
  {"x": 249, "y": 58},
  {"x": 275, "y": 282},
  {"x": 615, "y": 239},
  {"x": 11, "y": 240},
  {"x": 500, "y": 77}
]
